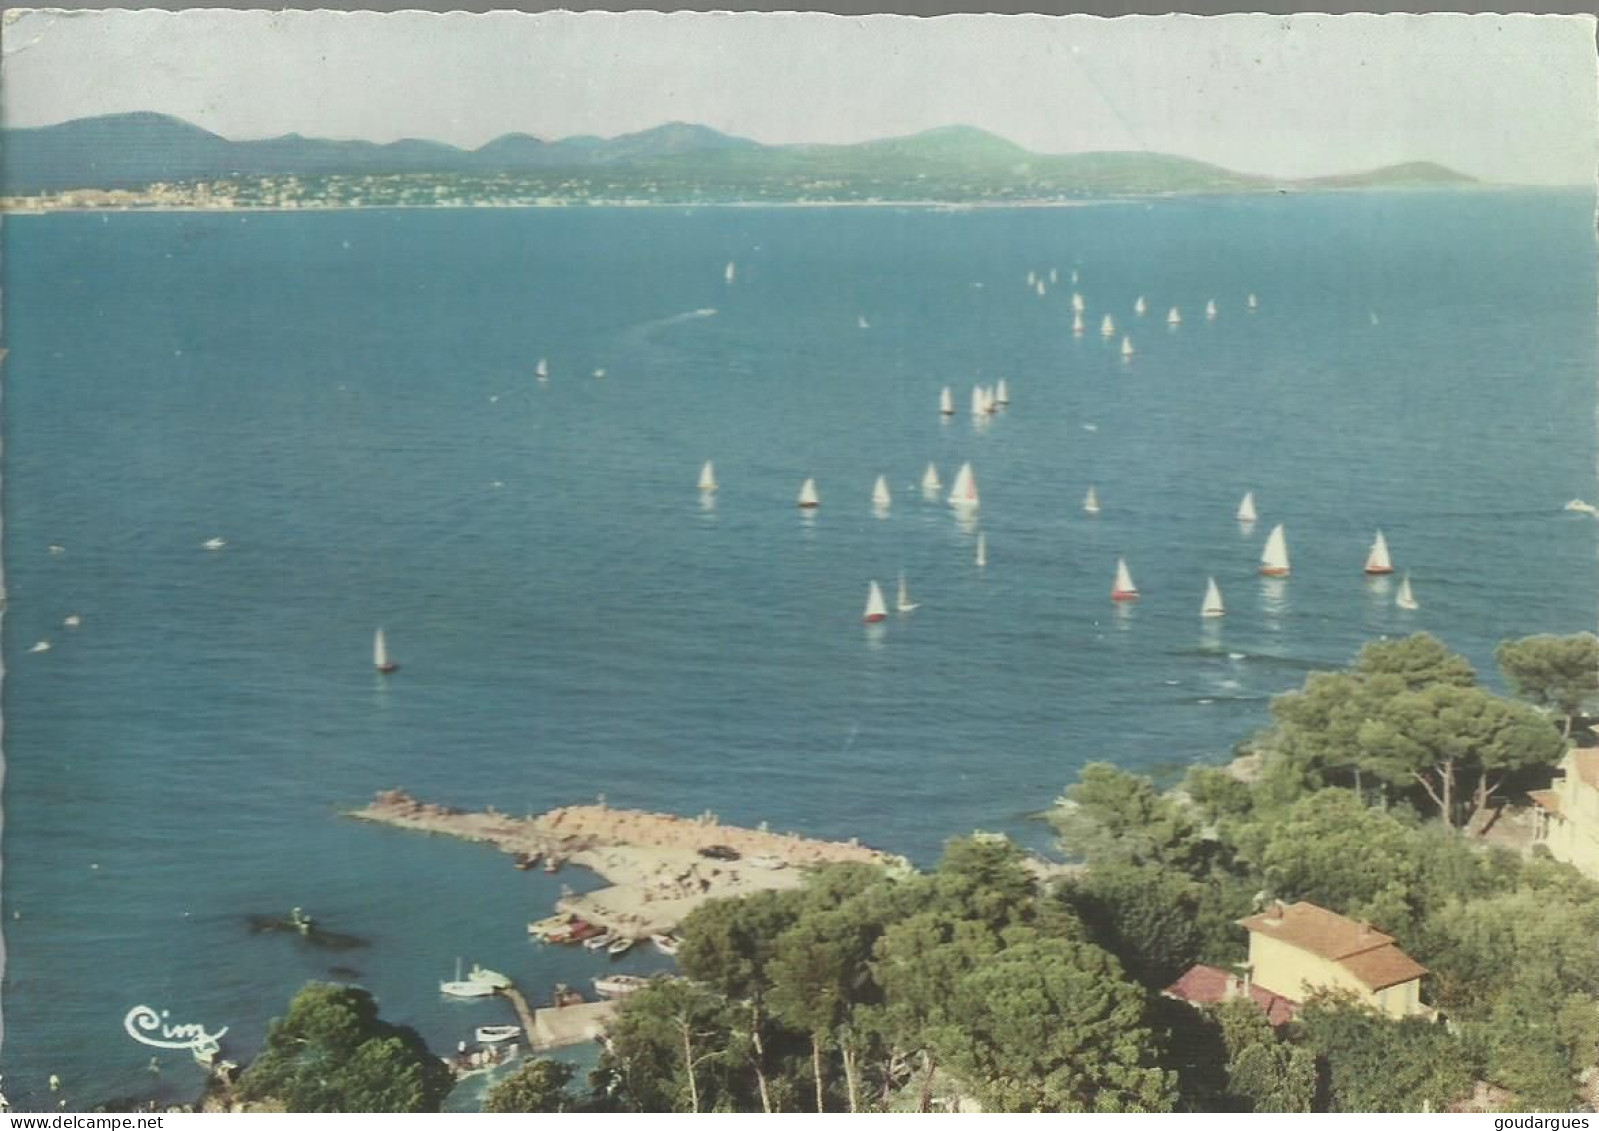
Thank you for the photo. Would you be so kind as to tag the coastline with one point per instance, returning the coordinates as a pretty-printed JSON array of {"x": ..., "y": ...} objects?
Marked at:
[{"x": 654, "y": 863}]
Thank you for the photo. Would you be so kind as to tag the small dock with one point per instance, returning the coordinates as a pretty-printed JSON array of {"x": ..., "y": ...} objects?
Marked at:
[{"x": 555, "y": 1028}]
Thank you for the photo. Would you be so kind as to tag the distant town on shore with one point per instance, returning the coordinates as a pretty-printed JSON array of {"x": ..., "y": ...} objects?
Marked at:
[{"x": 147, "y": 160}]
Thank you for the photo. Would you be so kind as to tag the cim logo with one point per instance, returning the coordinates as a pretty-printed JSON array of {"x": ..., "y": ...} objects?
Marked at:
[{"x": 149, "y": 1027}]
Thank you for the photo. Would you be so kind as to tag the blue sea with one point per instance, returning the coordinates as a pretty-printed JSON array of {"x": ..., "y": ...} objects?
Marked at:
[{"x": 348, "y": 400}]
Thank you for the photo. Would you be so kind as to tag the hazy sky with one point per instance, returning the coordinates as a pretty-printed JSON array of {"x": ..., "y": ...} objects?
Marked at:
[{"x": 1507, "y": 98}]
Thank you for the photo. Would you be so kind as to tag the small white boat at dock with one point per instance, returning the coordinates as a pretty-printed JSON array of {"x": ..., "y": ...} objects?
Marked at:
[
  {"x": 666, "y": 944},
  {"x": 599, "y": 942},
  {"x": 466, "y": 987},
  {"x": 619, "y": 985},
  {"x": 494, "y": 1034},
  {"x": 619, "y": 946}
]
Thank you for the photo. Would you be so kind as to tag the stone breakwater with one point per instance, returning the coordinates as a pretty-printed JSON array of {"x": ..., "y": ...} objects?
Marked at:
[{"x": 655, "y": 862}]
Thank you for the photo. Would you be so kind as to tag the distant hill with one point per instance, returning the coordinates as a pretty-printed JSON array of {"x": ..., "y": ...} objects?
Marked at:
[{"x": 134, "y": 150}]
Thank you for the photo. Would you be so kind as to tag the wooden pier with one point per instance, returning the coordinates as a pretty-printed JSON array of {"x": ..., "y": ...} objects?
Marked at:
[{"x": 557, "y": 1027}]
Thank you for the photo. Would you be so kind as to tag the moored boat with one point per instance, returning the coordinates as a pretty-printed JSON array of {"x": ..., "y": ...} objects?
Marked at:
[
  {"x": 619, "y": 985},
  {"x": 1378, "y": 561},
  {"x": 1274, "y": 558},
  {"x": 1123, "y": 588},
  {"x": 494, "y": 1034},
  {"x": 619, "y": 946},
  {"x": 599, "y": 941},
  {"x": 465, "y": 987},
  {"x": 666, "y": 943}
]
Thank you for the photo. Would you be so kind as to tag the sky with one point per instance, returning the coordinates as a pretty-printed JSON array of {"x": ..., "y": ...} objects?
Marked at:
[{"x": 1504, "y": 98}]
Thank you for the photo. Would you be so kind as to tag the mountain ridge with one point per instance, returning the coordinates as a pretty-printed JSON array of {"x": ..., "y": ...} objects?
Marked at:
[{"x": 141, "y": 148}]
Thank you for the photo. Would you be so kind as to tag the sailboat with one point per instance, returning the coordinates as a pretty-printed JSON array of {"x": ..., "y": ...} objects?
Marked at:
[
  {"x": 1140, "y": 307},
  {"x": 1040, "y": 288},
  {"x": 1077, "y": 303},
  {"x": 808, "y": 498},
  {"x": 1173, "y": 318},
  {"x": 1091, "y": 501},
  {"x": 1210, "y": 309},
  {"x": 1406, "y": 599},
  {"x": 876, "y": 610},
  {"x": 1251, "y": 302},
  {"x": 542, "y": 369},
  {"x": 708, "y": 477},
  {"x": 946, "y": 402},
  {"x": 990, "y": 405},
  {"x": 979, "y": 401},
  {"x": 1246, "y": 509},
  {"x": 1032, "y": 278},
  {"x": 964, "y": 493},
  {"x": 1127, "y": 346},
  {"x": 1212, "y": 606},
  {"x": 930, "y": 481},
  {"x": 731, "y": 272},
  {"x": 467, "y": 987},
  {"x": 881, "y": 499},
  {"x": 1077, "y": 324},
  {"x": 1377, "y": 561},
  {"x": 982, "y": 551},
  {"x": 1054, "y": 276},
  {"x": 380, "y": 654},
  {"x": 861, "y": 323},
  {"x": 1074, "y": 278},
  {"x": 904, "y": 604},
  {"x": 1274, "y": 558},
  {"x": 1123, "y": 589},
  {"x": 1107, "y": 327},
  {"x": 1001, "y": 393}
]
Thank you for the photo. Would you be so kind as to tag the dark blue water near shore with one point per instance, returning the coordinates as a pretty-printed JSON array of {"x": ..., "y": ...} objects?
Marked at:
[{"x": 347, "y": 399}]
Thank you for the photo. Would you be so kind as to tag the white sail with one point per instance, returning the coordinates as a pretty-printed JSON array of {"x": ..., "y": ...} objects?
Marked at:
[
  {"x": 1054, "y": 276},
  {"x": 1077, "y": 303},
  {"x": 1107, "y": 327},
  {"x": 1040, "y": 288},
  {"x": 989, "y": 403},
  {"x": 904, "y": 604},
  {"x": 808, "y": 496},
  {"x": 1212, "y": 606},
  {"x": 1127, "y": 346},
  {"x": 708, "y": 477},
  {"x": 1274, "y": 558},
  {"x": 982, "y": 550},
  {"x": 1074, "y": 278},
  {"x": 1032, "y": 278},
  {"x": 876, "y": 607},
  {"x": 1251, "y": 302},
  {"x": 1077, "y": 324},
  {"x": 964, "y": 492},
  {"x": 1246, "y": 509},
  {"x": 1140, "y": 307},
  {"x": 946, "y": 402},
  {"x": 380, "y": 651},
  {"x": 880, "y": 496},
  {"x": 1123, "y": 589},
  {"x": 731, "y": 271},
  {"x": 1406, "y": 599},
  {"x": 1173, "y": 317},
  {"x": 861, "y": 323},
  {"x": 542, "y": 369},
  {"x": 1378, "y": 561},
  {"x": 1001, "y": 393},
  {"x": 979, "y": 401},
  {"x": 1091, "y": 501},
  {"x": 930, "y": 480},
  {"x": 1210, "y": 309}
]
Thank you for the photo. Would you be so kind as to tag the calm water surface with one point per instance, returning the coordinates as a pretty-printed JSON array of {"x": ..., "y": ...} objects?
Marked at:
[{"x": 348, "y": 400}]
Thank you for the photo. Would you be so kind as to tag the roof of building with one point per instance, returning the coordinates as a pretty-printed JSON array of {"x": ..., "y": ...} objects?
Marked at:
[
  {"x": 1546, "y": 799},
  {"x": 1365, "y": 952},
  {"x": 1585, "y": 761},
  {"x": 1211, "y": 985}
]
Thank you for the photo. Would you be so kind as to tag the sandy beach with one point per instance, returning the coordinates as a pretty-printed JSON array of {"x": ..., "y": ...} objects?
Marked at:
[{"x": 653, "y": 861}]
